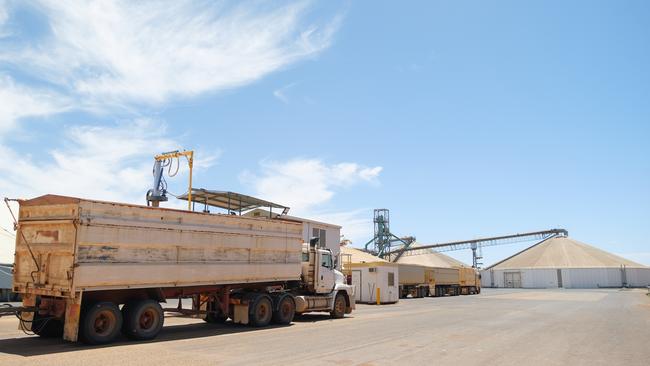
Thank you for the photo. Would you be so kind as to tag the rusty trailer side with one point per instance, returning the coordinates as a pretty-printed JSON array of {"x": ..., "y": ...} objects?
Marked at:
[
  {"x": 69, "y": 248},
  {"x": 419, "y": 281}
]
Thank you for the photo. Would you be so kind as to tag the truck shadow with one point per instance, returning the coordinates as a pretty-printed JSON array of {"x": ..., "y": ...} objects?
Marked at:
[
  {"x": 312, "y": 318},
  {"x": 37, "y": 346}
]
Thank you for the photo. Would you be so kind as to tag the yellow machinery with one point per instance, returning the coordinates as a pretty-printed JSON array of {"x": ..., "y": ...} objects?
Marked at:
[{"x": 162, "y": 161}]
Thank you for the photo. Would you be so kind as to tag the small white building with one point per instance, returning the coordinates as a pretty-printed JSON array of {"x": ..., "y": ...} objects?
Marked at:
[
  {"x": 371, "y": 276},
  {"x": 565, "y": 263}
]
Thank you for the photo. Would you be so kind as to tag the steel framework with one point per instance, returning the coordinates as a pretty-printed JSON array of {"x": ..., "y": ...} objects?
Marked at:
[
  {"x": 383, "y": 240},
  {"x": 475, "y": 244}
]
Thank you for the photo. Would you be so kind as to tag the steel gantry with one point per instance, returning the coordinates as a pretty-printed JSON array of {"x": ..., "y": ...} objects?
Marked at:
[
  {"x": 382, "y": 241},
  {"x": 475, "y": 244}
]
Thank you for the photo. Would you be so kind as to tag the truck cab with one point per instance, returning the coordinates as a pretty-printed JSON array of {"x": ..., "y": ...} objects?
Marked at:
[{"x": 324, "y": 287}]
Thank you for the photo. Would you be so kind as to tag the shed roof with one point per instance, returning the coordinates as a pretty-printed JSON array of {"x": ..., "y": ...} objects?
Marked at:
[
  {"x": 359, "y": 256},
  {"x": 563, "y": 252},
  {"x": 231, "y": 201},
  {"x": 430, "y": 258}
]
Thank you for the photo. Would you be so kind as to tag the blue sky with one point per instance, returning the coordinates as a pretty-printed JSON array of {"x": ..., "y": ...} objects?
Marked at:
[{"x": 465, "y": 119}]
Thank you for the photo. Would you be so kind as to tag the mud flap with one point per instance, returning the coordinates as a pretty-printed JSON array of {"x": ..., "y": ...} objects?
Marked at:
[
  {"x": 241, "y": 314},
  {"x": 72, "y": 314}
]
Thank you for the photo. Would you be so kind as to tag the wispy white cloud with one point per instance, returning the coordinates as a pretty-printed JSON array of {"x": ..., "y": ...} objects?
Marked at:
[
  {"x": 102, "y": 55},
  {"x": 99, "y": 162},
  {"x": 4, "y": 15},
  {"x": 126, "y": 52},
  {"x": 281, "y": 93},
  {"x": 109, "y": 162},
  {"x": 19, "y": 101},
  {"x": 306, "y": 185}
]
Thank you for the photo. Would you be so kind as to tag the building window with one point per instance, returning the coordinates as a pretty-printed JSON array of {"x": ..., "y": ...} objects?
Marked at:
[
  {"x": 322, "y": 235},
  {"x": 391, "y": 279}
]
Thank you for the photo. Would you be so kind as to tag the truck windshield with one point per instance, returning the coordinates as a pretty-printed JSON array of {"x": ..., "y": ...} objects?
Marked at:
[{"x": 326, "y": 260}]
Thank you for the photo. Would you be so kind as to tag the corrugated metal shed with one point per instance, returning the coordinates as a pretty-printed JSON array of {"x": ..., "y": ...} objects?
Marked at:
[
  {"x": 562, "y": 252},
  {"x": 567, "y": 263}
]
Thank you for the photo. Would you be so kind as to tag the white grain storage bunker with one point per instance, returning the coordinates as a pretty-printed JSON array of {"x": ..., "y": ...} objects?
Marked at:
[
  {"x": 430, "y": 258},
  {"x": 370, "y": 273},
  {"x": 567, "y": 263}
]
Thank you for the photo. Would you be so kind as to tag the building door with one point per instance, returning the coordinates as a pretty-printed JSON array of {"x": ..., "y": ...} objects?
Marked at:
[
  {"x": 512, "y": 279},
  {"x": 356, "y": 282},
  {"x": 559, "y": 278}
]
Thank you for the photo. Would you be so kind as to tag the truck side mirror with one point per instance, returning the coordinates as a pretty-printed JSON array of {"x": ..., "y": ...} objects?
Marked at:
[{"x": 313, "y": 241}]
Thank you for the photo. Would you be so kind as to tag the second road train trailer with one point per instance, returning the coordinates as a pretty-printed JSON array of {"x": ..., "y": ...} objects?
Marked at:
[
  {"x": 421, "y": 281},
  {"x": 90, "y": 269}
]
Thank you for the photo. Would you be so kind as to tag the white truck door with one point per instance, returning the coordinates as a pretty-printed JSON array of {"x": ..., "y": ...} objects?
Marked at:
[{"x": 326, "y": 279}]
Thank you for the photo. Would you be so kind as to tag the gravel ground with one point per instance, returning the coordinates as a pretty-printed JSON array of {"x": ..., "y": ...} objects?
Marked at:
[{"x": 497, "y": 327}]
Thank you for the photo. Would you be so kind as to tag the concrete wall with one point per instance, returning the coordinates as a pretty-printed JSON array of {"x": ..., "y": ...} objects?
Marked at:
[{"x": 570, "y": 277}]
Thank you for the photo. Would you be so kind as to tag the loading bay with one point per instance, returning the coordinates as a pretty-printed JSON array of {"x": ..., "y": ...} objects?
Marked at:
[{"x": 497, "y": 327}]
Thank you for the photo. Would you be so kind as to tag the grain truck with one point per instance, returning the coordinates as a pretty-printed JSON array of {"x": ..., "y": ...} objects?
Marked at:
[
  {"x": 90, "y": 269},
  {"x": 421, "y": 281}
]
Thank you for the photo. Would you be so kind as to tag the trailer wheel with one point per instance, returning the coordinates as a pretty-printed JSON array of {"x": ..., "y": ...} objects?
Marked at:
[
  {"x": 261, "y": 311},
  {"x": 143, "y": 319},
  {"x": 47, "y": 327},
  {"x": 339, "y": 307},
  {"x": 100, "y": 323},
  {"x": 285, "y": 311}
]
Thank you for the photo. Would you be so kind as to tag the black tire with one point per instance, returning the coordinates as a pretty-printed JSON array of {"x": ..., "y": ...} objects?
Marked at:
[
  {"x": 215, "y": 315},
  {"x": 47, "y": 327},
  {"x": 100, "y": 323},
  {"x": 143, "y": 320},
  {"x": 260, "y": 311},
  {"x": 285, "y": 311},
  {"x": 339, "y": 307}
]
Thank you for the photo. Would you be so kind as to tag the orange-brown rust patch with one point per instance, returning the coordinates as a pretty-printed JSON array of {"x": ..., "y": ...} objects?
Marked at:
[{"x": 53, "y": 235}]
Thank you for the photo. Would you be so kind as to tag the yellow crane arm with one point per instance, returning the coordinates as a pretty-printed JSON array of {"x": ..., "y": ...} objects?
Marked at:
[{"x": 189, "y": 155}]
